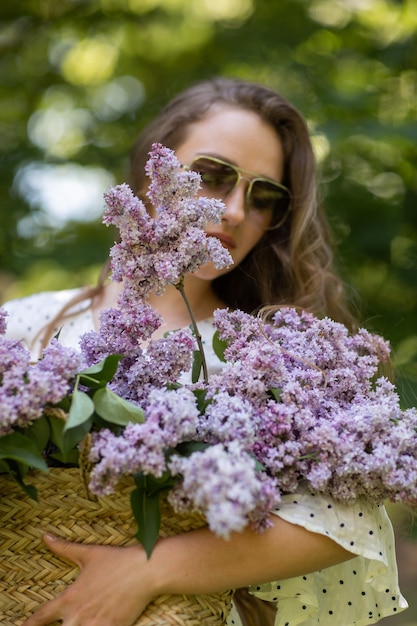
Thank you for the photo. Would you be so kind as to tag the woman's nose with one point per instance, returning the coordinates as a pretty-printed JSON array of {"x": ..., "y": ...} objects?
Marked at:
[{"x": 235, "y": 205}]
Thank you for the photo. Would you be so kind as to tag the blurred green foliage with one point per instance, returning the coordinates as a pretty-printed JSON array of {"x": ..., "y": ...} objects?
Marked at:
[{"x": 80, "y": 78}]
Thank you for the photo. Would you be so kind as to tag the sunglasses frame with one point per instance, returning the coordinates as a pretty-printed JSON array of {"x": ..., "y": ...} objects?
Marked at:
[{"x": 239, "y": 171}]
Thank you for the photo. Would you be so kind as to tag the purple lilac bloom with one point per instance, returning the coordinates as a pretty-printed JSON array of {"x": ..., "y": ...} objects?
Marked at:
[
  {"x": 333, "y": 423},
  {"x": 122, "y": 331},
  {"x": 27, "y": 388},
  {"x": 157, "y": 251},
  {"x": 3, "y": 323},
  {"x": 298, "y": 397},
  {"x": 153, "y": 252},
  {"x": 163, "y": 362},
  {"x": 171, "y": 417},
  {"x": 222, "y": 482},
  {"x": 228, "y": 418},
  {"x": 139, "y": 448}
]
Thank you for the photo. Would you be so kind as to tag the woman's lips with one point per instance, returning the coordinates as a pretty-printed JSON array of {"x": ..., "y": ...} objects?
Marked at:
[{"x": 226, "y": 240}]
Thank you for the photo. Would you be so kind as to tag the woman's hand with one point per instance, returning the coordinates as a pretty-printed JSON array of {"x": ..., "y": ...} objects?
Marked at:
[{"x": 111, "y": 589}]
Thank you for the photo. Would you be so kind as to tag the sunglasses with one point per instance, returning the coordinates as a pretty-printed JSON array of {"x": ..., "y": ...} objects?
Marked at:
[{"x": 220, "y": 178}]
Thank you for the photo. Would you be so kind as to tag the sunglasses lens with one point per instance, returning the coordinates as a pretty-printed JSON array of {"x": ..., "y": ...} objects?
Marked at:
[
  {"x": 266, "y": 196},
  {"x": 263, "y": 196},
  {"x": 217, "y": 179}
]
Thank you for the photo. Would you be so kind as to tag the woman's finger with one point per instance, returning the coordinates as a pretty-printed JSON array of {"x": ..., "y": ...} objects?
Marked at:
[
  {"x": 68, "y": 550},
  {"x": 45, "y": 615}
]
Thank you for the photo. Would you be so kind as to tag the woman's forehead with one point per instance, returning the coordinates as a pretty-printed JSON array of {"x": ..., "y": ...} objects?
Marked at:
[{"x": 236, "y": 135}]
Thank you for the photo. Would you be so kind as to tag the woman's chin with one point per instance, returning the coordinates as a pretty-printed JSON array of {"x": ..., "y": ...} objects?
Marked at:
[{"x": 209, "y": 272}]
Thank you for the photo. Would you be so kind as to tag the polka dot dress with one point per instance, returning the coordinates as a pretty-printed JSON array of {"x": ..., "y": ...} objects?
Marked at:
[
  {"x": 29, "y": 316},
  {"x": 360, "y": 591}
]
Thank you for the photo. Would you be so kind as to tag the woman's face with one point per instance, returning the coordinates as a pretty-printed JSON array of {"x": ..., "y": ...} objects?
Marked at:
[{"x": 242, "y": 138}]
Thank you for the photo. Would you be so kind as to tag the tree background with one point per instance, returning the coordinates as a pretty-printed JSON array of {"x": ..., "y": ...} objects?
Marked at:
[{"x": 80, "y": 78}]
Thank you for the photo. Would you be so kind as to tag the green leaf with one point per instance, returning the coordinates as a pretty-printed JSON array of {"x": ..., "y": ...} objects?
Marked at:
[
  {"x": 68, "y": 457},
  {"x": 57, "y": 431},
  {"x": 174, "y": 385},
  {"x": 115, "y": 409},
  {"x": 22, "y": 449},
  {"x": 259, "y": 467},
  {"x": 30, "y": 490},
  {"x": 147, "y": 514},
  {"x": 276, "y": 393},
  {"x": 197, "y": 365},
  {"x": 101, "y": 373},
  {"x": 219, "y": 346},
  {"x": 202, "y": 403},
  {"x": 67, "y": 439},
  {"x": 39, "y": 432},
  {"x": 14, "y": 469},
  {"x": 4, "y": 468},
  {"x": 82, "y": 408},
  {"x": 73, "y": 436},
  {"x": 187, "y": 448},
  {"x": 155, "y": 485}
]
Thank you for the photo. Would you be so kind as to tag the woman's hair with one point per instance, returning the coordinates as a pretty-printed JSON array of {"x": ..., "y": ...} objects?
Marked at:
[{"x": 292, "y": 264}]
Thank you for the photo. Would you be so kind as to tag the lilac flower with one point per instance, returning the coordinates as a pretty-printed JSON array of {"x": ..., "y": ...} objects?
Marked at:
[
  {"x": 122, "y": 331},
  {"x": 3, "y": 323},
  {"x": 171, "y": 417},
  {"x": 157, "y": 251},
  {"x": 228, "y": 418},
  {"x": 60, "y": 361},
  {"x": 116, "y": 456},
  {"x": 162, "y": 362},
  {"x": 170, "y": 184},
  {"x": 335, "y": 424},
  {"x": 298, "y": 400},
  {"x": 153, "y": 252},
  {"x": 222, "y": 482},
  {"x": 26, "y": 388}
]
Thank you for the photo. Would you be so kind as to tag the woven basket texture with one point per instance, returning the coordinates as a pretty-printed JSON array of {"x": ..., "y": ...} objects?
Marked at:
[{"x": 30, "y": 574}]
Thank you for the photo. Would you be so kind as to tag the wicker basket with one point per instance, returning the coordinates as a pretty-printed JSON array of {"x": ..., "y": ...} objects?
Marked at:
[{"x": 30, "y": 574}]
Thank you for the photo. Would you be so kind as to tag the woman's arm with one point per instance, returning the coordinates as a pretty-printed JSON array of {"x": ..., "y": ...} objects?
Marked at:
[
  {"x": 201, "y": 562},
  {"x": 116, "y": 584}
]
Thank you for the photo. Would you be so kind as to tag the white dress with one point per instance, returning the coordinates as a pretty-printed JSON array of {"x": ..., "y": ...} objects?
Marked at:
[{"x": 360, "y": 591}]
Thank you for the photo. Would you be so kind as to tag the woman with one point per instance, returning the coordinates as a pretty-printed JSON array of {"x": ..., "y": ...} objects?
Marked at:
[{"x": 252, "y": 149}]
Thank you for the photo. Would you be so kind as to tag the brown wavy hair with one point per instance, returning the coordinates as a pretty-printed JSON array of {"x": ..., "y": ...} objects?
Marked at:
[{"x": 292, "y": 264}]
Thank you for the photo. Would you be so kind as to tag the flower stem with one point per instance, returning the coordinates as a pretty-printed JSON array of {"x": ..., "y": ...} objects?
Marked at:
[{"x": 180, "y": 287}]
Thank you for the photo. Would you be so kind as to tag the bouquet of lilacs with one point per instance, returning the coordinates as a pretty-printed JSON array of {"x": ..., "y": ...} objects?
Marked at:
[{"x": 298, "y": 400}]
